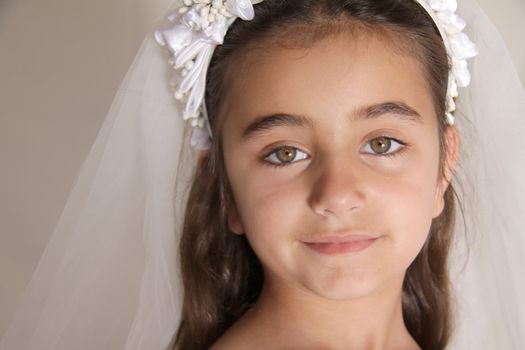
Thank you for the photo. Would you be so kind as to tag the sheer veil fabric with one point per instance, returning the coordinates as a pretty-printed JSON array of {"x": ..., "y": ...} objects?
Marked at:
[
  {"x": 108, "y": 278},
  {"x": 491, "y": 119}
]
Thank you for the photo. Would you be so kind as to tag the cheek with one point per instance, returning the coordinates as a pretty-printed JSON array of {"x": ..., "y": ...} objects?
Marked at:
[
  {"x": 408, "y": 210},
  {"x": 268, "y": 206},
  {"x": 272, "y": 211},
  {"x": 266, "y": 198}
]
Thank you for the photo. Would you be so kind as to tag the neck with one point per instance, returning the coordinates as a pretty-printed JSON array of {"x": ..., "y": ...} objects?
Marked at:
[{"x": 373, "y": 322}]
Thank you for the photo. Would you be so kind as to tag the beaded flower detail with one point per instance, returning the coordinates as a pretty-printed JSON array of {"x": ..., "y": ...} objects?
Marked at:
[
  {"x": 200, "y": 25},
  {"x": 459, "y": 46}
]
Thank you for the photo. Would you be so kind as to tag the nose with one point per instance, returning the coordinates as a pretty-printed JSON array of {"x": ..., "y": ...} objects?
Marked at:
[{"x": 337, "y": 188}]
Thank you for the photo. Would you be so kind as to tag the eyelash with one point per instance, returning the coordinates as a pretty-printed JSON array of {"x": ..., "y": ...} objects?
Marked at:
[
  {"x": 280, "y": 165},
  {"x": 396, "y": 153},
  {"x": 399, "y": 151}
]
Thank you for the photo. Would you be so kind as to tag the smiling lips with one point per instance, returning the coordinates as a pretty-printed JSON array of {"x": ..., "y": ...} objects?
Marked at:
[{"x": 333, "y": 245}]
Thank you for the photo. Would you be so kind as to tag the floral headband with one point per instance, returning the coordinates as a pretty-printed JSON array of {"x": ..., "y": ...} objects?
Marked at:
[{"x": 200, "y": 25}]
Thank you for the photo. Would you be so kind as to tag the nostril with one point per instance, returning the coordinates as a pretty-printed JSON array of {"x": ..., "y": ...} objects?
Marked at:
[
  {"x": 337, "y": 189},
  {"x": 327, "y": 211}
]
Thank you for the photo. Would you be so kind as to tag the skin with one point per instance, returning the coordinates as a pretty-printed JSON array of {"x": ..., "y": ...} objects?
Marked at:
[{"x": 336, "y": 184}]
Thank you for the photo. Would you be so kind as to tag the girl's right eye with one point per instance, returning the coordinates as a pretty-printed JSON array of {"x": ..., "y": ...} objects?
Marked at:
[{"x": 285, "y": 155}]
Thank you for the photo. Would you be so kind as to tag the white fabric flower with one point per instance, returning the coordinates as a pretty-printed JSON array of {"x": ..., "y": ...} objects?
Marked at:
[
  {"x": 199, "y": 26},
  {"x": 459, "y": 46}
]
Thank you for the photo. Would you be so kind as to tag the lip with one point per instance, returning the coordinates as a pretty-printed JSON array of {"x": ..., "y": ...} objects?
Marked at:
[{"x": 335, "y": 245}]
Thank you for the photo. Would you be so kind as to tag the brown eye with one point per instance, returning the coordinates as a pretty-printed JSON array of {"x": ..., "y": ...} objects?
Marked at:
[
  {"x": 384, "y": 146},
  {"x": 381, "y": 144},
  {"x": 285, "y": 155}
]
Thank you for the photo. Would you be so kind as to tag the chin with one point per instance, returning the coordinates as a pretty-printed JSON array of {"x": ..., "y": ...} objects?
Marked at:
[{"x": 345, "y": 288}]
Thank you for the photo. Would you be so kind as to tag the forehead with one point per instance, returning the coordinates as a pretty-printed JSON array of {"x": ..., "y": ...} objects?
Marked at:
[{"x": 335, "y": 76}]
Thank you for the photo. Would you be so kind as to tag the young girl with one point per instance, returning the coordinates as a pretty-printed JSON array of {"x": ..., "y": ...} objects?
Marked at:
[
  {"x": 321, "y": 210},
  {"x": 322, "y": 214}
]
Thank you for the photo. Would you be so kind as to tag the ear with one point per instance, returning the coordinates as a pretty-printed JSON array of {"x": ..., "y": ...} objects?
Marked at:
[
  {"x": 451, "y": 158},
  {"x": 234, "y": 221}
]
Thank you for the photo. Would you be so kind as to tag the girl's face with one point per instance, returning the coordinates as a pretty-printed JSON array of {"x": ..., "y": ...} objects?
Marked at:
[{"x": 338, "y": 142}]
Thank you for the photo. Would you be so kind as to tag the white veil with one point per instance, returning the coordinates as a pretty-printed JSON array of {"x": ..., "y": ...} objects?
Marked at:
[
  {"x": 108, "y": 278},
  {"x": 490, "y": 289}
]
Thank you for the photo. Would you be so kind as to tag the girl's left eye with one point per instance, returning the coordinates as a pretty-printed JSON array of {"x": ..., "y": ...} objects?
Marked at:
[
  {"x": 284, "y": 155},
  {"x": 384, "y": 146}
]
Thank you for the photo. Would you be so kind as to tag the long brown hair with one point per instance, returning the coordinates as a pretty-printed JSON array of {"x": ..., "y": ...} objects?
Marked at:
[{"x": 221, "y": 275}]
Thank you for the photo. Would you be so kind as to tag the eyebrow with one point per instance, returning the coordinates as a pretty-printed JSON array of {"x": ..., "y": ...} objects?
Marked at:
[{"x": 399, "y": 110}]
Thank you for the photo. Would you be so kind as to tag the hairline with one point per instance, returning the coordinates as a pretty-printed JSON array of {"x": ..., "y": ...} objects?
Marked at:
[{"x": 293, "y": 39}]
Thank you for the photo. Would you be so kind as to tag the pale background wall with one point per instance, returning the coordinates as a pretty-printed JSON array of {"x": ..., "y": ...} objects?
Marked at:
[{"x": 60, "y": 63}]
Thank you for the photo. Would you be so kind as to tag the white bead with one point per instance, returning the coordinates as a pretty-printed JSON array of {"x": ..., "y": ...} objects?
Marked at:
[
  {"x": 188, "y": 2},
  {"x": 205, "y": 11},
  {"x": 183, "y": 10},
  {"x": 189, "y": 65},
  {"x": 178, "y": 95},
  {"x": 214, "y": 11},
  {"x": 450, "y": 119},
  {"x": 184, "y": 72},
  {"x": 451, "y": 104},
  {"x": 453, "y": 88}
]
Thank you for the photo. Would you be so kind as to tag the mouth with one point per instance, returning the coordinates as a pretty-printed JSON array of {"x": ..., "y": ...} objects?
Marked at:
[{"x": 335, "y": 245}]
